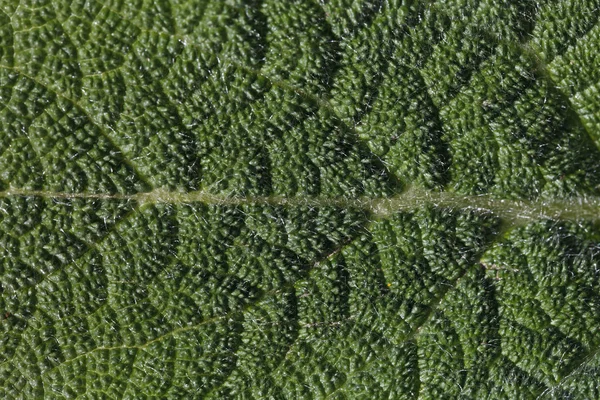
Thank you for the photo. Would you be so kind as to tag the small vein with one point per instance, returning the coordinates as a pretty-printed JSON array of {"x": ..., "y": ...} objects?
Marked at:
[
  {"x": 228, "y": 316},
  {"x": 101, "y": 129},
  {"x": 574, "y": 369},
  {"x": 90, "y": 247},
  {"x": 542, "y": 66},
  {"x": 410, "y": 338}
]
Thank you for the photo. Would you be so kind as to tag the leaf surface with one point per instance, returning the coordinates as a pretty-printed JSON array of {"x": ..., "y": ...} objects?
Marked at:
[{"x": 301, "y": 199}]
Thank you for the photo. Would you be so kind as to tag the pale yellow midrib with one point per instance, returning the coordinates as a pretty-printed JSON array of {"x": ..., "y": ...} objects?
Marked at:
[{"x": 514, "y": 211}]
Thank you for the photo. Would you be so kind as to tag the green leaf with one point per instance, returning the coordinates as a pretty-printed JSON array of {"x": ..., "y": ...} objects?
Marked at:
[{"x": 300, "y": 199}]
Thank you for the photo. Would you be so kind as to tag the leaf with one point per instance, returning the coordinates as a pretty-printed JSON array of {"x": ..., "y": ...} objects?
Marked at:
[{"x": 301, "y": 199}]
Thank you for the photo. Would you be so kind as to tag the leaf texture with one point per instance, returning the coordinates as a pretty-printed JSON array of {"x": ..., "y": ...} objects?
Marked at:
[{"x": 299, "y": 199}]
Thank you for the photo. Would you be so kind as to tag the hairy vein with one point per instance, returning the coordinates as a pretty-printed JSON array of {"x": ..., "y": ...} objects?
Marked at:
[{"x": 513, "y": 211}]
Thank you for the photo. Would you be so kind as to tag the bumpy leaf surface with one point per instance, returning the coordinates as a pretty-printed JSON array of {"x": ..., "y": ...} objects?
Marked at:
[{"x": 303, "y": 199}]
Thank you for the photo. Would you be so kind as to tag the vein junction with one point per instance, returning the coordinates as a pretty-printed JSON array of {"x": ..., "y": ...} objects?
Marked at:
[{"x": 514, "y": 211}]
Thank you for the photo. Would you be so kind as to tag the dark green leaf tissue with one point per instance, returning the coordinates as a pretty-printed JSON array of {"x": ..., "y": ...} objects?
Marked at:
[{"x": 307, "y": 199}]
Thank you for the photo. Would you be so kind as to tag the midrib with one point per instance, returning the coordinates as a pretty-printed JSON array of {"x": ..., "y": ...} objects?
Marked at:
[{"x": 513, "y": 211}]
